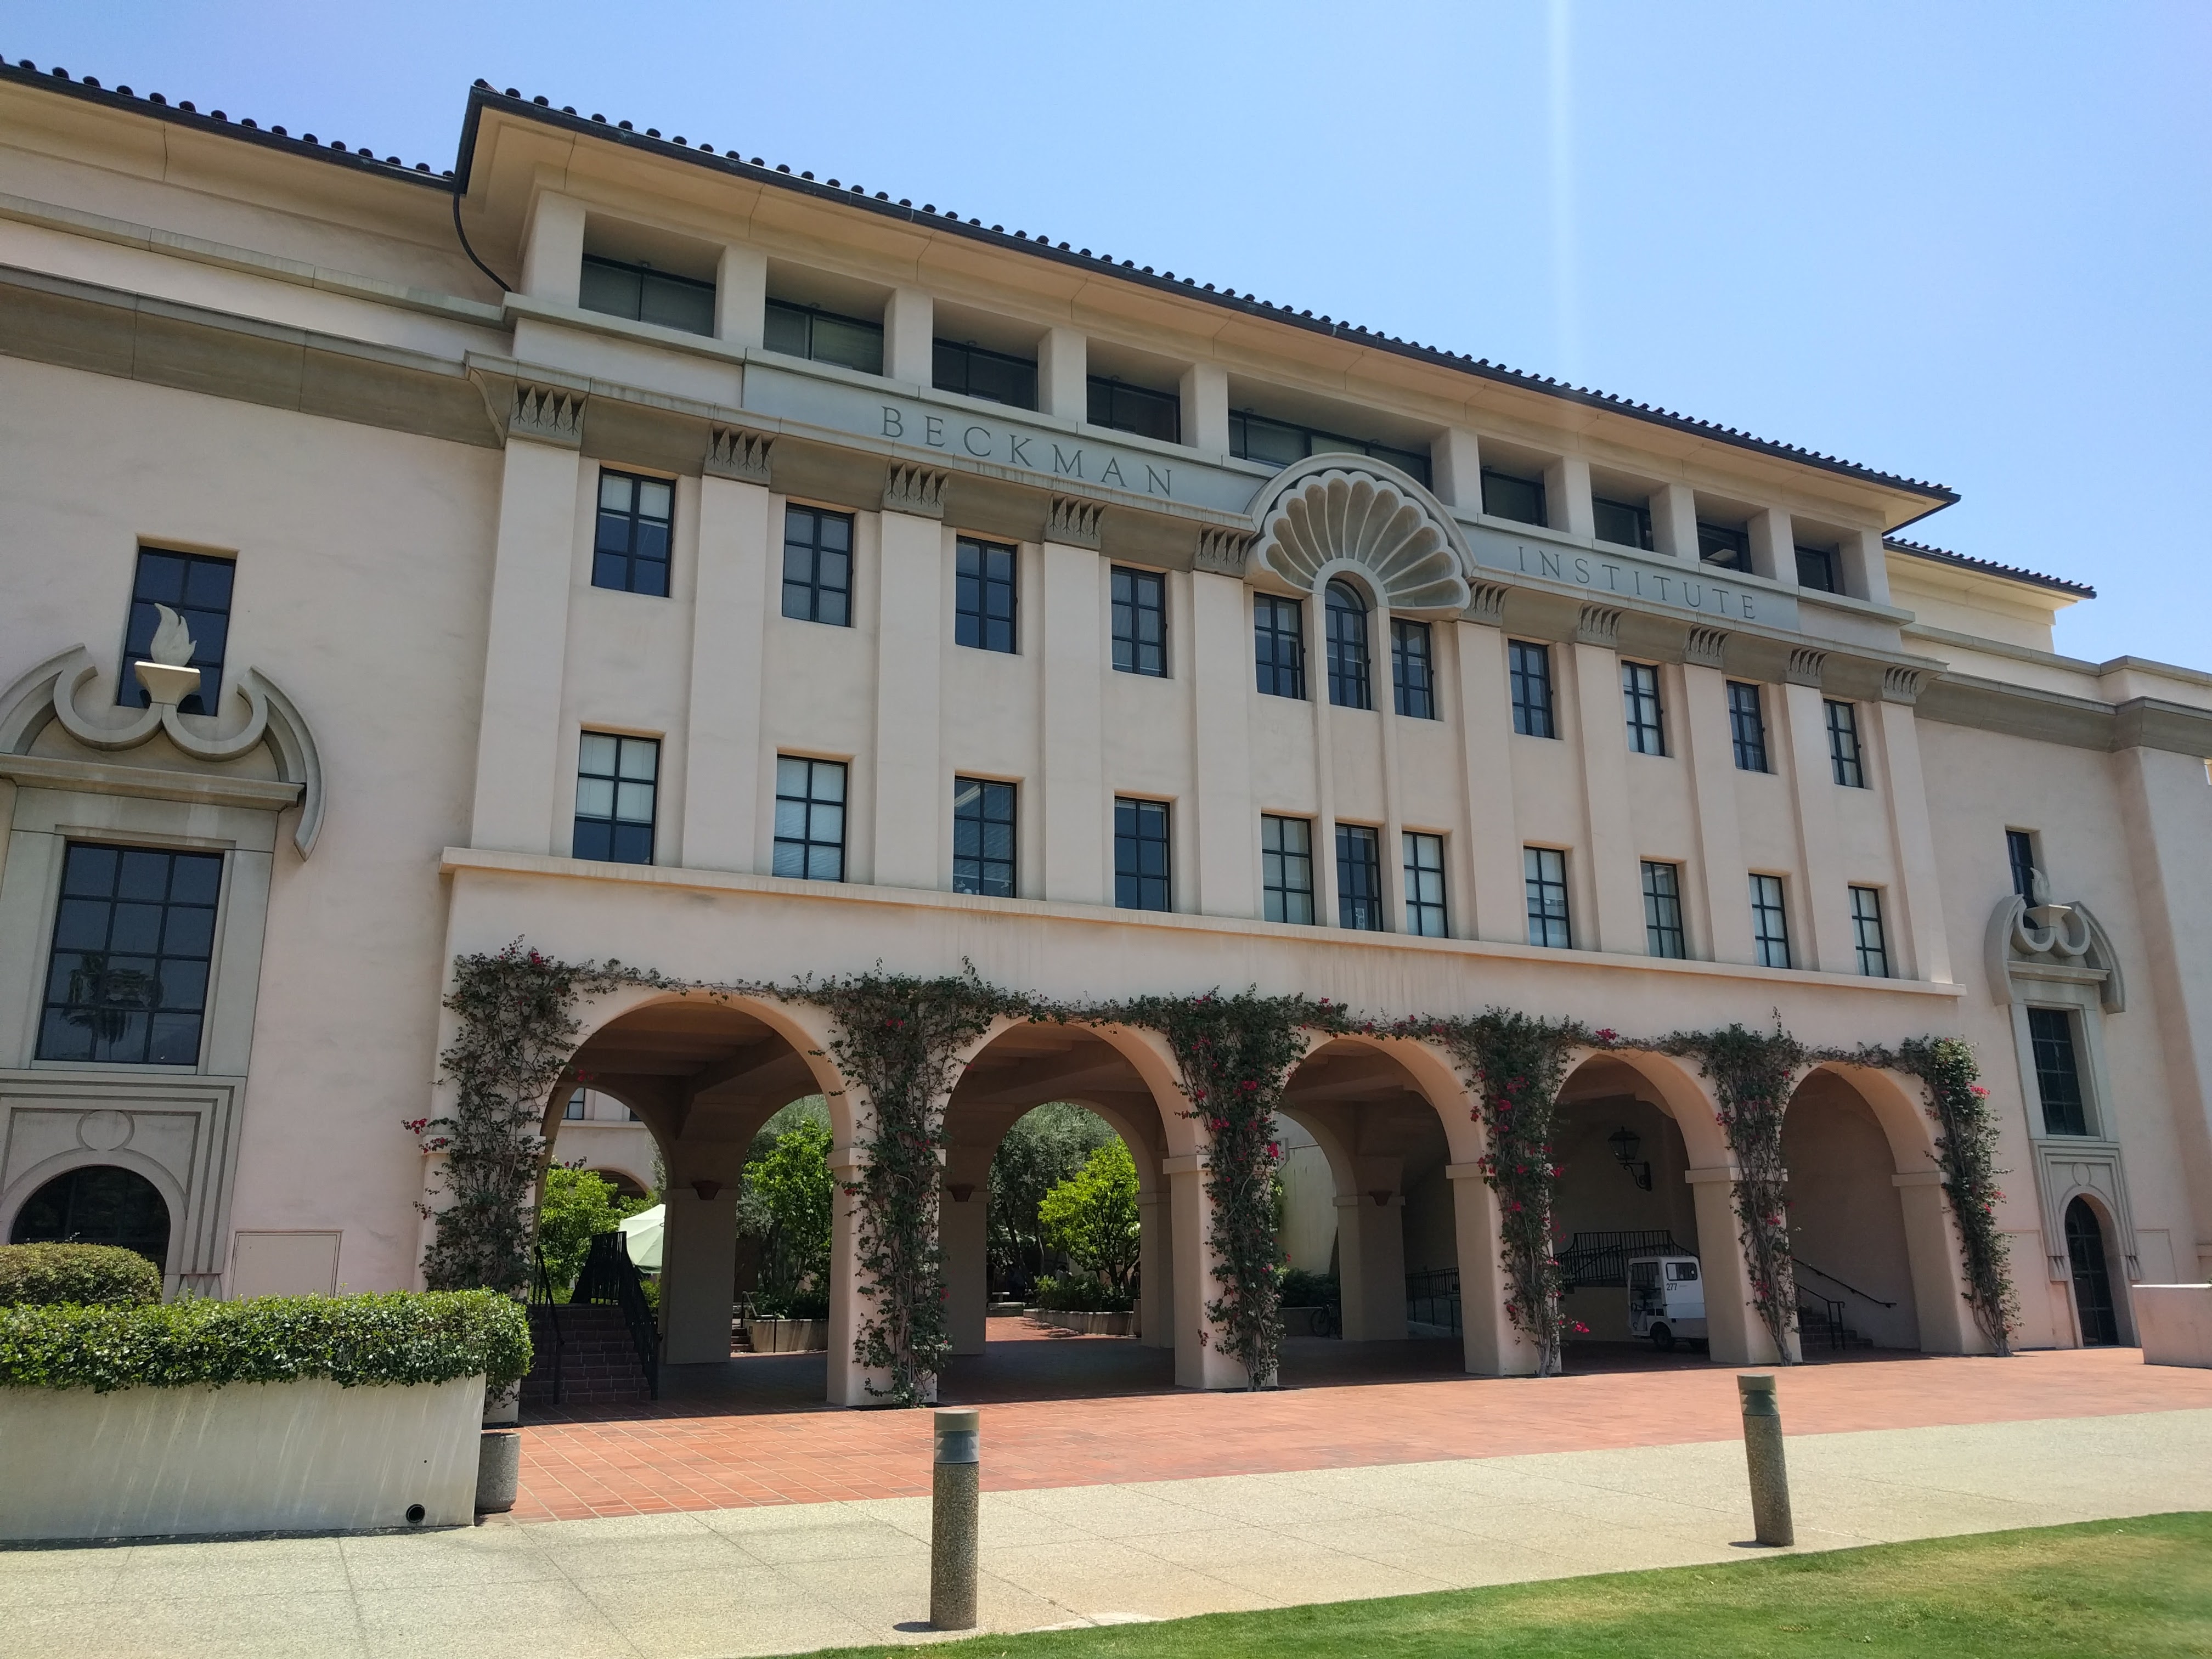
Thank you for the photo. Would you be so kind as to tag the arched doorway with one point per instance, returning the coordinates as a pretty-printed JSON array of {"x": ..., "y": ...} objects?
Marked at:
[
  {"x": 2094, "y": 1306},
  {"x": 1847, "y": 1232},
  {"x": 97, "y": 1204}
]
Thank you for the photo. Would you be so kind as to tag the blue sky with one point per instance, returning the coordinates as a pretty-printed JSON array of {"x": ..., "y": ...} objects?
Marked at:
[{"x": 1964, "y": 242}]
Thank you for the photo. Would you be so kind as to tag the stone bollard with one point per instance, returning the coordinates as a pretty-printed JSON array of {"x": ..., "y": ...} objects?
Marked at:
[
  {"x": 499, "y": 1470},
  {"x": 952, "y": 1523},
  {"x": 1762, "y": 1452}
]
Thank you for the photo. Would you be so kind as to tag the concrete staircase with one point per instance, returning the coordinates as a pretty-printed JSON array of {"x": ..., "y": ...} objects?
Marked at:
[{"x": 597, "y": 1359}]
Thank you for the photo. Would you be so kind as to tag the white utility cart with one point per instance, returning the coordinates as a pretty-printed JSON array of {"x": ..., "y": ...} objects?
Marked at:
[{"x": 1666, "y": 1300}]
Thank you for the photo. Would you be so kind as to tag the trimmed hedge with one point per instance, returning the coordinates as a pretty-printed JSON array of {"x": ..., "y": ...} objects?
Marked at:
[
  {"x": 94, "y": 1275},
  {"x": 404, "y": 1337}
]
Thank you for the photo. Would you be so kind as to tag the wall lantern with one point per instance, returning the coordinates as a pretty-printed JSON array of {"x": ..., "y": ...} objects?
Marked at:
[{"x": 1625, "y": 1142}]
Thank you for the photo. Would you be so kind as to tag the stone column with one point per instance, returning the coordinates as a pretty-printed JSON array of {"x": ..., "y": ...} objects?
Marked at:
[
  {"x": 699, "y": 1247},
  {"x": 1736, "y": 1334},
  {"x": 964, "y": 1232},
  {"x": 1156, "y": 1268},
  {"x": 1200, "y": 1361},
  {"x": 1370, "y": 1244},
  {"x": 1939, "y": 1281},
  {"x": 1494, "y": 1347},
  {"x": 849, "y": 1303}
]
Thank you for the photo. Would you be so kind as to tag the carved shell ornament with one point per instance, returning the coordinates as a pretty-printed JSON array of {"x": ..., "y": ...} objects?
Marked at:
[
  {"x": 1342, "y": 508},
  {"x": 2032, "y": 929}
]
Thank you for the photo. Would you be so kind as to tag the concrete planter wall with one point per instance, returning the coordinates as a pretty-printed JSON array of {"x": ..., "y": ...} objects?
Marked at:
[
  {"x": 787, "y": 1335},
  {"x": 2174, "y": 1322},
  {"x": 1088, "y": 1324},
  {"x": 306, "y": 1456}
]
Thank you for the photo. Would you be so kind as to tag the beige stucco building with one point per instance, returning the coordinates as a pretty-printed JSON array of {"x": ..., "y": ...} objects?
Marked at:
[{"x": 745, "y": 575}]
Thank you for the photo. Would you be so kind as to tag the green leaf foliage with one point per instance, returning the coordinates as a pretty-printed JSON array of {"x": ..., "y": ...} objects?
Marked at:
[
  {"x": 403, "y": 1337},
  {"x": 1092, "y": 1218},
  {"x": 789, "y": 1198},
  {"x": 1046, "y": 1146},
  {"x": 575, "y": 1207},
  {"x": 90, "y": 1275}
]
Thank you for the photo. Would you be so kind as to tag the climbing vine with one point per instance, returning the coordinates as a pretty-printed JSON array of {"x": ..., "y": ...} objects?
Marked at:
[{"x": 1966, "y": 1149}]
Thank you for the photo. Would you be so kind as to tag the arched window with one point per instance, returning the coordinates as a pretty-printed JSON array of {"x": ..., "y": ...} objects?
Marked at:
[
  {"x": 98, "y": 1203},
  {"x": 2093, "y": 1276},
  {"x": 1347, "y": 647}
]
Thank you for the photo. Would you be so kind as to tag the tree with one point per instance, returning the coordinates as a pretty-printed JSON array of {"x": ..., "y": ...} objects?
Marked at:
[
  {"x": 1093, "y": 1218},
  {"x": 1047, "y": 1147},
  {"x": 789, "y": 1200},
  {"x": 576, "y": 1206}
]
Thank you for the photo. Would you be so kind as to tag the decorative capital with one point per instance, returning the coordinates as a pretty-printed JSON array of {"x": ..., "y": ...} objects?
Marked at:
[
  {"x": 1487, "y": 604},
  {"x": 1902, "y": 684},
  {"x": 916, "y": 490},
  {"x": 1223, "y": 551},
  {"x": 1599, "y": 625},
  {"x": 1805, "y": 665},
  {"x": 737, "y": 452},
  {"x": 1706, "y": 647},
  {"x": 1073, "y": 521},
  {"x": 552, "y": 414}
]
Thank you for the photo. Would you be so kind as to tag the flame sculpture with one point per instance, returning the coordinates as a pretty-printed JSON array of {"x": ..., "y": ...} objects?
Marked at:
[{"x": 173, "y": 640}]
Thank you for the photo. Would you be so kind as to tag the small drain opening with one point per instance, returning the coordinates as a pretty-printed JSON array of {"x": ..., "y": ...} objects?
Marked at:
[{"x": 415, "y": 1514}]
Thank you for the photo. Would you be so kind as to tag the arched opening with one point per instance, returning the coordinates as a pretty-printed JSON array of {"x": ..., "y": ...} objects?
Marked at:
[
  {"x": 628, "y": 1188},
  {"x": 97, "y": 1204},
  {"x": 1349, "y": 677},
  {"x": 2096, "y": 1310},
  {"x": 1847, "y": 1225}
]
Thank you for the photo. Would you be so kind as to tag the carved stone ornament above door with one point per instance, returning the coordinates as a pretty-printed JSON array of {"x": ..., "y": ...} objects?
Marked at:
[{"x": 1350, "y": 508}]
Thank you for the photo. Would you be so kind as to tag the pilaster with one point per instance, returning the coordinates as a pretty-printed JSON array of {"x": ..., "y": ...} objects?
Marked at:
[
  {"x": 1494, "y": 1347},
  {"x": 741, "y": 296},
  {"x": 1674, "y": 522},
  {"x": 1073, "y": 771},
  {"x": 699, "y": 1254},
  {"x": 1826, "y": 902},
  {"x": 553, "y": 249},
  {"x": 1371, "y": 1239},
  {"x": 1455, "y": 461},
  {"x": 721, "y": 738},
  {"x": 910, "y": 643},
  {"x": 1567, "y": 497},
  {"x": 1063, "y": 385},
  {"x": 1489, "y": 861},
  {"x": 1716, "y": 895},
  {"x": 1774, "y": 546},
  {"x": 1602, "y": 745},
  {"x": 1916, "y": 898},
  {"x": 1200, "y": 1361},
  {"x": 909, "y": 337},
  {"x": 1734, "y": 1333},
  {"x": 963, "y": 1233},
  {"x": 1206, "y": 408},
  {"x": 1228, "y": 833}
]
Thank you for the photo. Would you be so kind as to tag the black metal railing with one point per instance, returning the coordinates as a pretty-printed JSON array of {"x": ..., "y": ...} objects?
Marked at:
[
  {"x": 1820, "y": 1315},
  {"x": 541, "y": 1296},
  {"x": 1432, "y": 1298},
  {"x": 610, "y": 1277},
  {"x": 1601, "y": 1260}
]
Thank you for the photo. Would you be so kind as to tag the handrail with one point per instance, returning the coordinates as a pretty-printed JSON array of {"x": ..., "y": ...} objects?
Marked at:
[
  {"x": 542, "y": 1296},
  {"x": 1831, "y": 1311},
  {"x": 1795, "y": 1261},
  {"x": 609, "y": 1275}
]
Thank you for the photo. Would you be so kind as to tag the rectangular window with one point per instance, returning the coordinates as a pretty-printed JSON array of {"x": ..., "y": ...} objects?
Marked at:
[
  {"x": 1508, "y": 495},
  {"x": 1360, "y": 878},
  {"x": 817, "y": 566},
  {"x": 1140, "y": 622},
  {"x": 1424, "y": 885},
  {"x": 984, "y": 837},
  {"x": 573, "y": 1111},
  {"x": 1843, "y": 744},
  {"x": 1625, "y": 524},
  {"x": 824, "y": 337},
  {"x": 1866, "y": 931},
  {"x": 1663, "y": 911},
  {"x": 1639, "y": 698},
  {"x": 984, "y": 603},
  {"x": 1277, "y": 443},
  {"x": 1279, "y": 645},
  {"x": 127, "y": 980},
  {"x": 615, "y": 288},
  {"x": 998, "y": 377},
  {"x": 1769, "y": 923},
  {"x": 810, "y": 818},
  {"x": 617, "y": 780},
  {"x": 1120, "y": 407},
  {"x": 2058, "y": 1072},
  {"x": 1413, "y": 669},
  {"x": 1724, "y": 545},
  {"x": 1286, "y": 868},
  {"x": 2020, "y": 851},
  {"x": 1142, "y": 872},
  {"x": 1816, "y": 570},
  {"x": 197, "y": 588},
  {"x": 1531, "y": 677},
  {"x": 1544, "y": 872},
  {"x": 630, "y": 551},
  {"x": 1746, "y": 726}
]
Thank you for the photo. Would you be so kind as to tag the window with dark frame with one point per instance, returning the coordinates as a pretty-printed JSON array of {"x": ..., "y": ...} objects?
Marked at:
[
  {"x": 817, "y": 566},
  {"x": 127, "y": 977},
  {"x": 615, "y": 288},
  {"x": 1639, "y": 698},
  {"x": 984, "y": 837},
  {"x": 1816, "y": 570},
  {"x": 1279, "y": 443},
  {"x": 2058, "y": 1072},
  {"x": 1412, "y": 669},
  {"x": 1360, "y": 878},
  {"x": 198, "y": 589},
  {"x": 630, "y": 550},
  {"x": 1843, "y": 744},
  {"x": 1424, "y": 885},
  {"x": 574, "y": 1111},
  {"x": 983, "y": 606},
  {"x": 1279, "y": 645},
  {"x": 1747, "y": 726},
  {"x": 1510, "y": 496},
  {"x": 1286, "y": 868},
  {"x": 824, "y": 337},
  {"x": 970, "y": 370},
  {"x": 617, "y": 785},
  {"x": 1529, "y": 674},
  {"x": 1724, "y": 546},
  {"x": 810, "y": 818},
  {"x": 1120, "y": 407},
  {"x": 1348, "y": 678},
  {"x": 2019, "y": 852},
  {"x": 1663, "y": 911},
  {"x": 1140, "y": 621},
  {"x": 1625, "y": 524},
  {"x": 1769, "y": 923},
  {"x": 1143, "y": 869},
  {"x": 1867, "y": 937},
  {"x": 1544, "y": 872}
]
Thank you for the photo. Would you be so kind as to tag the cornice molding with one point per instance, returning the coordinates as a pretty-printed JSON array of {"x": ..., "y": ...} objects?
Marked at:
[
  {"x": 916, "y": 490},
  {"x": 1074, "y": 521},
  {"x": 739, "y": 454}
]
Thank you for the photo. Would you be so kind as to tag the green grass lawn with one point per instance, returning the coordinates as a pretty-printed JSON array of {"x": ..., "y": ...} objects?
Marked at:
[{"x": 2111, "y": 1589}]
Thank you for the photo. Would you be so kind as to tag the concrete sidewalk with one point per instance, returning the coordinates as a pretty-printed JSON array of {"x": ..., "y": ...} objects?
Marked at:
[{"x": 786, "y": 1579}]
